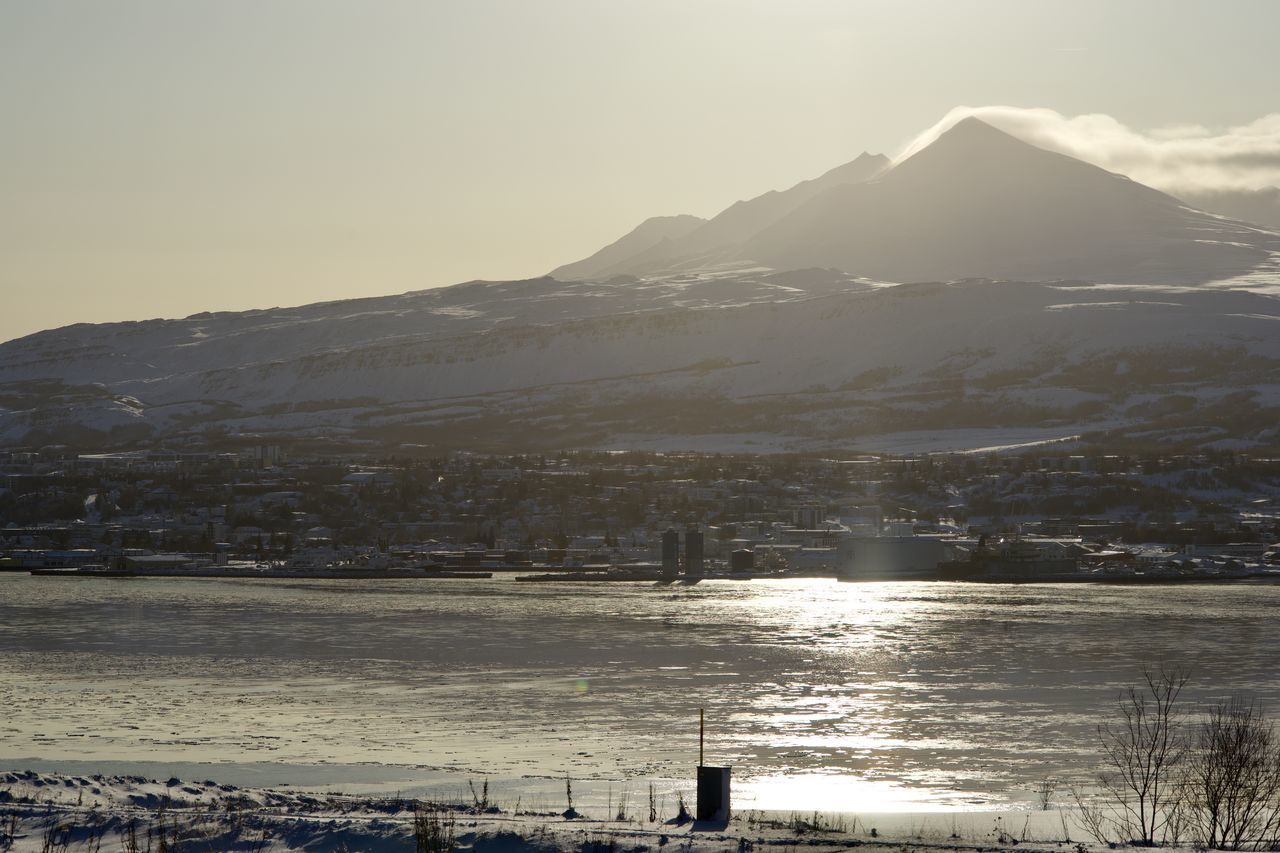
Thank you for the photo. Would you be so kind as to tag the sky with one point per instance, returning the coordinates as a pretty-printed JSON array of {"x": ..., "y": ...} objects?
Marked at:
[{"x": 158, "y": 159}]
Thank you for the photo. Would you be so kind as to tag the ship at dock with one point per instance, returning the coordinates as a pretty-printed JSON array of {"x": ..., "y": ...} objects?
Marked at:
[{"x": 1013, "y": 560}]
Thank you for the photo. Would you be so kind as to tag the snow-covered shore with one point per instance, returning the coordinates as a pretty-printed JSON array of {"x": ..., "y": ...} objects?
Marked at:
[{"x": 59, "y": 812}]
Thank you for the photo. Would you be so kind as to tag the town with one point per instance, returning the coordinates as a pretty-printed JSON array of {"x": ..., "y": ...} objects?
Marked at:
[{"x": 587, "y": 516}]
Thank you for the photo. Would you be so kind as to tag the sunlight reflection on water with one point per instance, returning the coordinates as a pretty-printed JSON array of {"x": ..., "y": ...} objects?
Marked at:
[{"x": 919, "y": 694}]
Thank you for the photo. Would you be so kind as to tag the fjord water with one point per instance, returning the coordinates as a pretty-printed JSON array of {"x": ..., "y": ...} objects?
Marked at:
[{"x": 909, "y": 697}]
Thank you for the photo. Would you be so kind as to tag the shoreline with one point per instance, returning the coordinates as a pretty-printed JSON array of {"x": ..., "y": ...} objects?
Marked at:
[
  {"x": 575, "y": 576},
  {"x": 67, "y": 812}
]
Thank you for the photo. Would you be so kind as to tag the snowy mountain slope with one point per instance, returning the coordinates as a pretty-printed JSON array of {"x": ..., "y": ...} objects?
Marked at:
[
  {"x": 1261, "y": 206},
  {"x": 155, "y": 349},
  {"x": 825, "y": 363}
]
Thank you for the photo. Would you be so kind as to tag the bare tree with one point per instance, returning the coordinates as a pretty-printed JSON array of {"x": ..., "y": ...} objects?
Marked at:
[
  {"x": 1233, "y": 778},
  {"x": 1044, "y": 792},
  {"x": 1094, "y": 818},
  {"x": 1143, "y": 751}
]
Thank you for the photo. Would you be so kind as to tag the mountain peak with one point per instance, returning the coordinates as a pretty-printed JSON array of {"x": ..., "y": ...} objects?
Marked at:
[
  {"x": 971, "y": 135},
  {"x": 974, "y": 152},
  {"x": 973, "y": 124},
  {"x": 978, "y": 202}
]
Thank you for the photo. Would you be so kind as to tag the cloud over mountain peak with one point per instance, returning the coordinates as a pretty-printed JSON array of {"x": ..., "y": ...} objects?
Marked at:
[{"x": 1175, "y": 158}]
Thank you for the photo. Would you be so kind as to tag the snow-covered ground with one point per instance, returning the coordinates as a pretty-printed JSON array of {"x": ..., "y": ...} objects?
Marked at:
[
  {"x": 56, "y": 812},
  {"x": 718, "y": 359}
]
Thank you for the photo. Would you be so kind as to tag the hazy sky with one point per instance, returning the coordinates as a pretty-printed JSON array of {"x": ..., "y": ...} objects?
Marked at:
[{"x": 163, "y": 158}]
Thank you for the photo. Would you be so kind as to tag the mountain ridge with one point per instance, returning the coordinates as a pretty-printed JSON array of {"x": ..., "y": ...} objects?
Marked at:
[
  {"x": 731, "y": 226},
  {"x": 654, "y": 231}
]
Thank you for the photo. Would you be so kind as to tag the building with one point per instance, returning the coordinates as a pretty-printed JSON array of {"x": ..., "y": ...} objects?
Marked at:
[
  {"x": 670, "y": 553},
  {"x": 693, "y": 553}
]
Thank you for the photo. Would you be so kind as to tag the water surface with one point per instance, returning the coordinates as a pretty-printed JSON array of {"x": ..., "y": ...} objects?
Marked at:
[{"x": 819, "y": 694}]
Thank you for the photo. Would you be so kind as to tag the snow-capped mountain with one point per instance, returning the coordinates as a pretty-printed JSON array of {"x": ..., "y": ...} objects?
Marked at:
[{"x": 803, "y": 340}]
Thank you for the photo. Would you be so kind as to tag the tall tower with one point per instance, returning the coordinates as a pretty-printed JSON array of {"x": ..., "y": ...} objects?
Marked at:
[
  {"x": 670, "y": 553},
  {"x": 693, "y": 553}
]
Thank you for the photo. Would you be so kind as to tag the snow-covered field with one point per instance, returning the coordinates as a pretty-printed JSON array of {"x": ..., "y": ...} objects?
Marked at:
[{"x": 56, "y": 812}]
